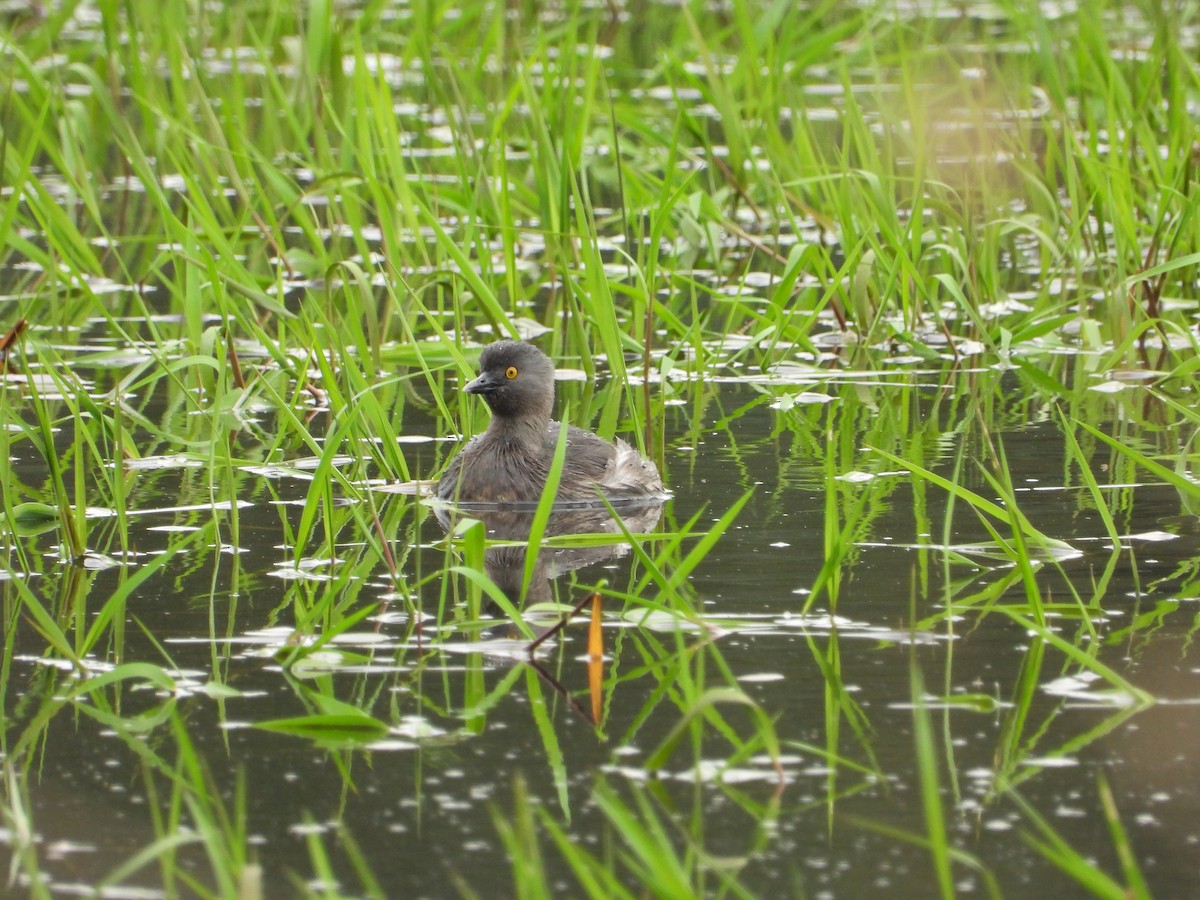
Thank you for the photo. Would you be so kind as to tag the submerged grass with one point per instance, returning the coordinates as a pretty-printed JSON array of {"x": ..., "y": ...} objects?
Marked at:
[{"x": 255, "y": 244}]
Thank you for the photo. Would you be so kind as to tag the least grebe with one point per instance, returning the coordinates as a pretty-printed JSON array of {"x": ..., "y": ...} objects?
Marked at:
[{"x": 510, "y": 462}]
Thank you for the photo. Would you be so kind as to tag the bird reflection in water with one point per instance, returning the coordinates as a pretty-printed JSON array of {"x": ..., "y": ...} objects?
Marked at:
[{"x": 505, "y": 565}]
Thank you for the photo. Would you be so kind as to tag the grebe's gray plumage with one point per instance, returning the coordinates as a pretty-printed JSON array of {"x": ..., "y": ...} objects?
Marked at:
[{"x": 510, "y": 462}]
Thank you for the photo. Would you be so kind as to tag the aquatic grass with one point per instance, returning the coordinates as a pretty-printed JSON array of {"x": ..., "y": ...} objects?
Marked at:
[
  {"x": 840, "y": 706},
  {"x": 839, "y": 538},
  {"x": 356, "y": 547},
  {"x": 962, "y": 858},
  {"x": 737, "y": 94},
  {"x": 648, "y": 851},
  {"x": 221, "y": 835},
  {"x": 64, "y": 628},
  {"x": 1010, "y": 514},
  {"x": 698, "y": 707},
  {"x": 221, "y": 831},
  {"x": 1130, "y": 868},
  {"x": 683, "y": 678},
  {"x": 71, "y": 515},
  {"x": 646, "y": 844},
  {"x": 1080, "y": 867},
  {"x": 830, "y": 435},
  {"x": 353, "y": 198},
  {"x": 1089, "y": 479},
  {"x": 15, "y": 813},
  {"x": 97, "y": 441},
  {"x": 931, "y": 800},
  {"x": 519, "y": 836},
  {"x": 657, "y": 573},
  {"x": 332, "y": 723},
  {"x": 1087, "y": 658},
  {"x": 1173, "y": 476},
  {"x": 545, "y": 505},
  {"x": 555, "y": 760},
  {"x": 1033, "y": 615}
]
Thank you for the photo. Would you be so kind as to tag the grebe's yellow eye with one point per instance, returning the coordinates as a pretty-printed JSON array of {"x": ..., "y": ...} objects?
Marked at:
[{"x": 511, "y": 372}]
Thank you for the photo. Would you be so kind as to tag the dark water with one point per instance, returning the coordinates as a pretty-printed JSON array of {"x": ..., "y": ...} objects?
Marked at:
[{"x": 467, "y": 716}]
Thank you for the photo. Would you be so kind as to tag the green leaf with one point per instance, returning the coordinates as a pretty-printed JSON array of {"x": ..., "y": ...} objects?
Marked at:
[
  {"x": 34, "y": 518},
  {"x": 329, "y": 728}
]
